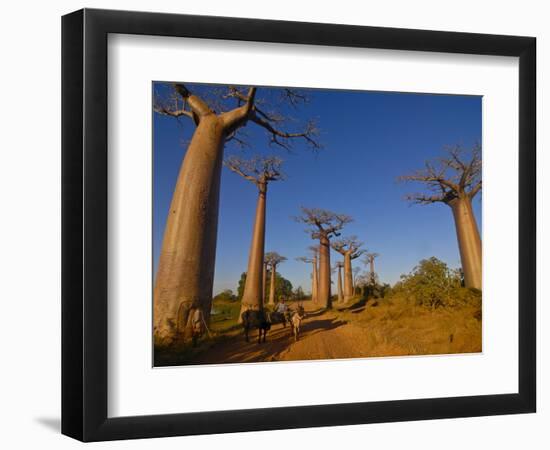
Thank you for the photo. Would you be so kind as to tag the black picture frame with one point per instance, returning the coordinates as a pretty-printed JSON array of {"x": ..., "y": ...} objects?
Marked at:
[{"x": 84, "y": 224}]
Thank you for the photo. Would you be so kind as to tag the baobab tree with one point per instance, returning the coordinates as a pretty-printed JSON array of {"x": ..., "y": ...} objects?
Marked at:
[
  {"x": 307, "y": 260},
  {"x": 338, "y": 268},
  {"x": 264, "y": 280},
  {"x": 323, "y": 225},
  {"x": 314, "y": 270},
  {"x": 260, "y": 172},
  {"x": 185, "y": 274},
  {"x": 369, "y": 260},
  {"x": 454, "y": 180},
  {"x": 273, "y": 259},
  {"x": 350, "y": 249},
  {"x": 314, "y": 249}
]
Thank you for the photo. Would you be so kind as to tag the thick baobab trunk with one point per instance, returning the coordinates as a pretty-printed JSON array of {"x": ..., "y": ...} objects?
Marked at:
[
  {"x": 264, "y": 282},
  {"x": 340, "y": 293},
  {"x": 348, "y": 277},
  {"x": 324, "y": 273},
  {"x": 252, "y": 296},
  {"x": 314, "y": 282},
  {"x": 185, "y": 273},
  {"x": 469, "y": 242},
  {"x": 272, "y": 285}
]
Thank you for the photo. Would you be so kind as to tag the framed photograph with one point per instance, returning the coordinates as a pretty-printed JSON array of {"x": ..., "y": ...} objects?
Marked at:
[{"x": 273, "y": 225}]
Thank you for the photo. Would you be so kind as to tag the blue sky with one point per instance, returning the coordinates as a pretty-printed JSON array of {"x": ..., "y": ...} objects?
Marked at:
[{"x": 369, "y": 139}]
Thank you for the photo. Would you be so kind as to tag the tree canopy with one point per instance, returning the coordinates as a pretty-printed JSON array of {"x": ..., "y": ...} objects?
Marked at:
[
  {"x": 322, "y": 222},
  {"x": 268, "y": 108},
  {"x": 274, "y": 259},
  {"x": 258, "y": 170},
  {"x": 455, "y": 175},
  {"x": 350, "y": 245}
]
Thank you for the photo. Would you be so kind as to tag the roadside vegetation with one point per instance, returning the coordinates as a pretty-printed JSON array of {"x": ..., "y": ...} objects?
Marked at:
[{"x": 427, "y": 312}]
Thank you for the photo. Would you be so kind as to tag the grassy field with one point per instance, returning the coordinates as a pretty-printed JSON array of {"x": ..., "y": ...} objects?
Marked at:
[
  {"x": 225, "y": 316},
  {"x": 395, "y": 327}
]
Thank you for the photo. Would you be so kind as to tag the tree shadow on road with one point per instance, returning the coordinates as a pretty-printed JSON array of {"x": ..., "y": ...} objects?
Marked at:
[
  {"x": 315, "y": 313},
  {"x": 356, "y": 307},
  {"x": 279, "y": 339}
]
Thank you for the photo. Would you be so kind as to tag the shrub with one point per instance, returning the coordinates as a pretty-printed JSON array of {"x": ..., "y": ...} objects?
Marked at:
[
  {"x": 432, "y": 284},
  {"x": 225, "y": 296}
]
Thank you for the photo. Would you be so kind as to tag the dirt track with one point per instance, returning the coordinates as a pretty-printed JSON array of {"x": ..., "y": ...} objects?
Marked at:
[{"x": 323, "y": 336}]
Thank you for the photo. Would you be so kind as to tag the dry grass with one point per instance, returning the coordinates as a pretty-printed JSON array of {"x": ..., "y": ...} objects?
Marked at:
[
  {"x": 397, "y": 328},
  {"x": 382, "y": 327}
]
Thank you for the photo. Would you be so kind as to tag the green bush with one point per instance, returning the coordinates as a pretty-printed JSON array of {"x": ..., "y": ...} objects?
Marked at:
[
  {"x": 283, "y": 287},
  {"x": 432, "y": 284},
  {"x": 225, "y": 296}
]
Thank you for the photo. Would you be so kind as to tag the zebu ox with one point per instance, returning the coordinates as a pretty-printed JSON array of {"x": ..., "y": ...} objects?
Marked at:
[
  {"x": 261, "y": 320},
  {"x": 296, "y": 321},
  {"x": 253, "y": 319}
]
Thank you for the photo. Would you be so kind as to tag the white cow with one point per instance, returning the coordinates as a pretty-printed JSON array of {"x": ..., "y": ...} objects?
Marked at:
[{"x": 296, "y": 321}]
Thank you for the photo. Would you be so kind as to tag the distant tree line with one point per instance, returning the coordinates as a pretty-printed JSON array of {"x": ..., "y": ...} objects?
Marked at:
[{"x": 283, "y": 287}]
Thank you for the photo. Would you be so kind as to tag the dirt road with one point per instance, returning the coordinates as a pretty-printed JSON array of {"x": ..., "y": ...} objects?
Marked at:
[
  {"x": 355, "y": 330},
  {"x": 323, "y": 336}
]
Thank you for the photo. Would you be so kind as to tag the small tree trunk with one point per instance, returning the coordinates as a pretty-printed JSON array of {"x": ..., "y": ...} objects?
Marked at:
[
  {"x": 348, "y": 277},
  {"x": 324, "y": 295},
  {"x": 264, "y": 282},
  {"x": 272, "y": 285},
  {"x": 252, "y": 296},
  {"x": 469, "y": 242},
  {"x": 185, "y": 273},
  {"x": 314, "y": 282},
  {"x": 340, "y": 293}
]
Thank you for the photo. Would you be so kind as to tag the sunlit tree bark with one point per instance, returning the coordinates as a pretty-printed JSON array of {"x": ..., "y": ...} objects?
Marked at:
[
  {"x": 261, "y": 172},
  {"x": 313, "y": 260},
  {"x": 273, "y": 259},
  {"x": 315, "y": 273},
  {"x": 185, "y": 274},
  {"x": 323, "y": 225},
  {"x": 264, "y": 282},
  {"x": 349, "y": 248},
  {"x": 339, "y": 266},
  {"x": 455, "y": 180}
]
